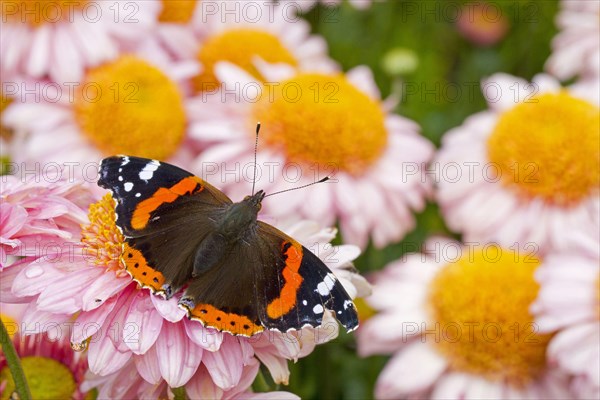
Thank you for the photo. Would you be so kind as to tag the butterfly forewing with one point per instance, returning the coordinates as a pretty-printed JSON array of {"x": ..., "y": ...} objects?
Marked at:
[{"x": 164, "y": 213}]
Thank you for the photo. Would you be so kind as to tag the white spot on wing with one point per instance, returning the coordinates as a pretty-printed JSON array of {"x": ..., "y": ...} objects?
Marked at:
[
  {"x": 305, "y": 302},
  {"x": 128, "y": 186},
  {"x": 148, "y": 170},
  {"x": 138, "y": 194},
  {"x": 324, "y": 288},
  {"x": 120, "y": 179},
  {"x": 125, "y": 161},
  {"x": 318, "y": 309}
]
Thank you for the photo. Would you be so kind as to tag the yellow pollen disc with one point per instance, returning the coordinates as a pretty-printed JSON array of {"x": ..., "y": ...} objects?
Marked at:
[
  {"x": 548, "y": 148},
  {"x": 481, "y": 303},
  {"x": 131, "y": 107},
  {"x": 365, "y": 311},
  {"x": 102, "y": 239},
  {"x": 240, "y": 47},
  {"x": 323, "y": 120},
  {"x": 177, "y": 11},
  {"x": 5, "y": 132},
  {"x": 39, "y": 12},
  {"x": 47, "y": 379}
]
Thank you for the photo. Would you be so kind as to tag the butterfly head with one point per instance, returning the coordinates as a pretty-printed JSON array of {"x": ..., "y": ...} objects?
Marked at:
[
  {"x": 255, "y": 201},
  {"x": 238, "y": 217}
]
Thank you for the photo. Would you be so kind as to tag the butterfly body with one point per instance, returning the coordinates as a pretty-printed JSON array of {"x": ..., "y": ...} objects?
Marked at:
[
  {"x": 236, "y": 224},
  {"x": 238, "y": 274}
]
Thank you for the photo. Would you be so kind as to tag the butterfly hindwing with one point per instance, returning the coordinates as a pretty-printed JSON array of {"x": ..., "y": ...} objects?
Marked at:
[
  {"x": 279, "y": 284},
  {"x": 164, "y": 213},
  {"x": 300, "y": 287},
  {"x": 224, "y": 297}
]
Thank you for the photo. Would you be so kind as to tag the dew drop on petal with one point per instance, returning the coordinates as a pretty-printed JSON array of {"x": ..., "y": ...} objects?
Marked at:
[
  {"x": 79, "y": 346},
  {"x": 34, "y": 271}
]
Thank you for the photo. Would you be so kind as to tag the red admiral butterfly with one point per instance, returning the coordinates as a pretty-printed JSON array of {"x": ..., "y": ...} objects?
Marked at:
[{"x": 240, "y": 275}]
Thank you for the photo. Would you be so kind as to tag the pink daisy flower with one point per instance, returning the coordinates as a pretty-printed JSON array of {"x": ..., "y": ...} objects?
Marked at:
[
  {"x": 335, "y": 125},
  {"x": 128, "y": 330},
  {"x": 569, "y": 302},
  {"x": 52, "y": 369},
  {"x": 134, "y": 104},
  {"x": 36, "y": 213},
  {"x": 61, "y": 39},
  {"x": 456, "y": 321},
  {"x": 576, "y": 48},
  {"x": 515, "y": 173}
]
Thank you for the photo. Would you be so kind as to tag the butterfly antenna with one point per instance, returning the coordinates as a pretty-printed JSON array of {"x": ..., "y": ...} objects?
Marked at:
[
  {"x": 299, "y": 187},
  {"x": 255, "y": 149}
]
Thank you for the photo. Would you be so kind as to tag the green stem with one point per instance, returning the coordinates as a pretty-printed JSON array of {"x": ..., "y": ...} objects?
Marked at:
[
  {"x": 14, "y": 364},
  {"x": 260, "y": 384},
  {"x": 179, "y": 393}
]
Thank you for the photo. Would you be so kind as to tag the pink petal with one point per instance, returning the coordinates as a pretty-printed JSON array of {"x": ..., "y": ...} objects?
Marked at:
[
  {"x": 38, "y": 321},
  {"x": 12, "y": 218},
  {"x": 209, "y": 339},
  {"x": 89, "y": 323},
  {"x": 168, "y": 309},
  {"x": 201, "y": 386},
  {"x": 7, "y": 277},
  {"x": 146, "y": 323},
  {"x": 225, "y": 365},
  {"x": 36, "y": 277},
  {"x": 106, "y": 286},
  {"x": 108, "y": 354},
  {"x": 179, "y": 356},
  {"x": 148, "y": 366},
  {"x": 248, "y": 376},
  {"x": 104, "y": 358},
  {"x": 65, "y": 295},
  {"x": 412, "y": 370},
  {"x": 277, "y": 365}
]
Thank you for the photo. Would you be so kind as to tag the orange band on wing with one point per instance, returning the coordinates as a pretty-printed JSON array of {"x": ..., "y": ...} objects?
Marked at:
[
  {"x": 287, "y": 298},
  {"x": 141, "y": 214},
  {"x": 137, "y": 266},
  {"x": 233, "y": 323}
]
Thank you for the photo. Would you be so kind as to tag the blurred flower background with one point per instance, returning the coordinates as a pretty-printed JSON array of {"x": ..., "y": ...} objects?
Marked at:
[{"x": 463, "y": 141}]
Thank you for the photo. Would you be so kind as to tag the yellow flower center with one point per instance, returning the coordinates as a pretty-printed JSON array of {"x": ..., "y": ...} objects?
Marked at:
[
  {"x": 548, "y": 148},
  {"x": 39, "y": 12},
  {"x": 481, "y": 303},
  {"x": 351, "y": 136},
  {"x": 5, "y": 132},
  {"x": 240, "y": 47},
  {"x": 177, "y": 11},
  {"x": 130, "y": 107},
  {"x": 102, "y": 239},
  {"x": 365, "y": 311},
  {"x": 46, "y": 377}
]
